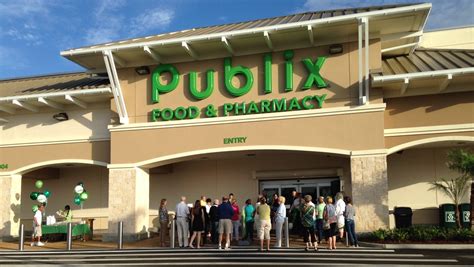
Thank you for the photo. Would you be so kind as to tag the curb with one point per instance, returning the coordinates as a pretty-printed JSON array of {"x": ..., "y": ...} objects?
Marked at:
[{"x": 420, "y": 246}]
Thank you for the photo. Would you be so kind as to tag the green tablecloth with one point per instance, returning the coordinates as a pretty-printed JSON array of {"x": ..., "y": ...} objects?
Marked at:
[{"x": 77, "y": 229}]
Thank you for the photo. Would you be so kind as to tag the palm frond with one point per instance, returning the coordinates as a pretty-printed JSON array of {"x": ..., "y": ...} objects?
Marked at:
[{"x": 455, "y": 188}]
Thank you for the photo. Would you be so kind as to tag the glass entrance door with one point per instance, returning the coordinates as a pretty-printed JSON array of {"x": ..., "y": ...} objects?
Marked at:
[
  {"x": 314, "y": 187},
  {"x": 311, "y": 190},
  {"x": 286, "y": 190}
]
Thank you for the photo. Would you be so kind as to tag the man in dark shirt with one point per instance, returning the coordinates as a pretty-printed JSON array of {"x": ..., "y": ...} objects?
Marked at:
[
  {"x": 214, "y": 221},
  {"x": 225, "y": 213}
]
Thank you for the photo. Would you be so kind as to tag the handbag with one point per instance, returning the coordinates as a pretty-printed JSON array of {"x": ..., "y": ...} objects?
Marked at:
[{"x": 326, "y": 225}]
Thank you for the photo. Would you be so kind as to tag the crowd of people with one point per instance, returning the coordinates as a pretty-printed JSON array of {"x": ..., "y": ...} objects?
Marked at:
[{"x": 222, "y": 222}]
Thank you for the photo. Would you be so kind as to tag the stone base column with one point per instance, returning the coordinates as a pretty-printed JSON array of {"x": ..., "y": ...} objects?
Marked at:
[
  {"x": 128, "y": 202},
  {"x": 10, "y": 200},
  {"x": 370, "y": 192}
]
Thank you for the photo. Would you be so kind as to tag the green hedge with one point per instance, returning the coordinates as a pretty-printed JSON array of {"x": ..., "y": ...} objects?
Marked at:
[{"x": 420, "y": 234}]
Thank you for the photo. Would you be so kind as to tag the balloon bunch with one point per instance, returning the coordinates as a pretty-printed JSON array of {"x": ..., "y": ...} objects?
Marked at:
[
  {"x": 81, "y": 194},
  {"x": 41, "y": 197}
]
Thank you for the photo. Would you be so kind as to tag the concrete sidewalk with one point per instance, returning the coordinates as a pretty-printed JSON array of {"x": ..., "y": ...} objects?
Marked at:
[{"x": 447, "y": 246}]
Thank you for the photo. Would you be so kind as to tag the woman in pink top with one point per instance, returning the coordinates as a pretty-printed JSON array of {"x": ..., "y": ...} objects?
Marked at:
[{"x": 235, "y": 220}]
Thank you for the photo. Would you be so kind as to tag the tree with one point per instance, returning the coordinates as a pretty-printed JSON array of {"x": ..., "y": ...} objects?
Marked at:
[
  {"x": 463, "y": 161},
  {"x": 455, "y": 189}
]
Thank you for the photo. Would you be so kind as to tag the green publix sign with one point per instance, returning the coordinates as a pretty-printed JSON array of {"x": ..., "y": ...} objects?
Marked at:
[{"x": 227, "y": 109}]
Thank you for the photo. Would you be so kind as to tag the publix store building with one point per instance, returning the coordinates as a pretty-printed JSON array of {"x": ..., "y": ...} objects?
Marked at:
[{"x": 356, "y": 100}]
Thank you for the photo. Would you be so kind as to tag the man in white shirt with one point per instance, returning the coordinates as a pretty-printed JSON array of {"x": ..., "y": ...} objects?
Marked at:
[
  {"x": 182, "y": 216},
  {"x": 37, "y": 233}
]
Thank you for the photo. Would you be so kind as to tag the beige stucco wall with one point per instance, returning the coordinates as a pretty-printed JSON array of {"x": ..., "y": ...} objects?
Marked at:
[
  {"x": 458, "y": 38},
  {"x": 429, "y": 110},
  {"x": 95, "y": 181},
  {"x": 23, "y": 156},
  {"x": 32, "y": 138},
  {"x": 347, "y": 132},
  {"x": 393, "y": 141},
  {"x": 340, "y": 71},
  {"x": 30, "y": 128},
  {"x": 409, "y": 174}
]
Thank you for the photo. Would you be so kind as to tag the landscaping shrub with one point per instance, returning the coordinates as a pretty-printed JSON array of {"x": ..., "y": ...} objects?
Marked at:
[{"x": 419, "y": 234}]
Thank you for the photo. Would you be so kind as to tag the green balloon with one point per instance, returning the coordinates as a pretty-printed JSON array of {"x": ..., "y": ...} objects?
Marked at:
[
  {"x": 39, "y": 184},
  {"x": 84, "y": 195},
  {"x": 34, "y": 208},
  {"x": 47, "y": 193},
  {"x": 77, "y": 200},
  {"x": 34, "y": 195}
]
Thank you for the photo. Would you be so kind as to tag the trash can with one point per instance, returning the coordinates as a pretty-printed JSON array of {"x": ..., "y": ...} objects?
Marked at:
[
  {"x": 465, "y": 210},
  {"x": 403, "y": 216},
  {"x": 447, "y": 215}
]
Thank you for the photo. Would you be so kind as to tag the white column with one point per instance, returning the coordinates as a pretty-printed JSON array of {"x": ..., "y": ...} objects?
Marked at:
[
  {"x": 10, "y": 203},
  {"x": 128, "y": 202}
]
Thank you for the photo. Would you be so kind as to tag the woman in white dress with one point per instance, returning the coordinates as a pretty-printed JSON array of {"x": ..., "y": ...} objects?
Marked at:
[{"x": 340, "y": 209}]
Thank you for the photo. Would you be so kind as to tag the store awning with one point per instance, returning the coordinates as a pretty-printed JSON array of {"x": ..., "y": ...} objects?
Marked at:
[
  {"x": 398, "y": 26},
  {"x": 54, "y": 91},
  {"x": 427, "y": 71}
]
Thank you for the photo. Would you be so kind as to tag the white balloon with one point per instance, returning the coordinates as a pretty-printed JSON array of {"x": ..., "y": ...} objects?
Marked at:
[
  {"x": 41, "y": 198},
  {"x": 78, "y": 189}
]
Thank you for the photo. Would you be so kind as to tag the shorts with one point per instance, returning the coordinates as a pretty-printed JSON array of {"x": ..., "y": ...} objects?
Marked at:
[
  {"x": 37, "y": 231},
  {"x": 225, "y": 226},
  {"x": 264, "y": 228}
]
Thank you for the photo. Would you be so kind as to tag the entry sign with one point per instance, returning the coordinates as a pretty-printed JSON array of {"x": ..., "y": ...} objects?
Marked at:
[{"x": 235, "y": 140}]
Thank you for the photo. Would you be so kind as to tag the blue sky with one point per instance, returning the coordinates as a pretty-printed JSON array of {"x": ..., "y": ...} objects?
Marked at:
[{"x": 33, "y": 32}]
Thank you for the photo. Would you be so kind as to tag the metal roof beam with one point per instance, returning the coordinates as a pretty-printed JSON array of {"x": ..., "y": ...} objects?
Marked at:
[
  {"x": 399, "y": 47},
  {"x": 115, "y": 86},
  {"x": 120, "y": 61},
  {"x": 400, "y": 35},
  {"x": 7, "y": 110},
  {"x": 311, "y": 34},
  {"x": 189, "y": 50},
  {"x": 25, "y": 105},
  {"x": 51, "y": 103},
  {"x": 404, "y": 87},
  {"x": 268, "y": 40},
  {"x": 445, "y": 83},
  {"x": 419, "y": 75},
  {"x": 105, "y": 90},
  {"x": 227, "y": 45},
  {"x": 152, "y": 53},
  {"x": 75, "y": 101}
]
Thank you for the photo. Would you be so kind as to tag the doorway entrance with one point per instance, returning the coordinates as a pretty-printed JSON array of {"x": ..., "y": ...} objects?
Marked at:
[{"x": 315, "y": 187}]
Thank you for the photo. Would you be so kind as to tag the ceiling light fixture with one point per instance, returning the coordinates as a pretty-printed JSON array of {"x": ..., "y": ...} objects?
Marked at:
[
  {"x": 61, "y": 116},
  {"x": 143, "y": 70}
]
